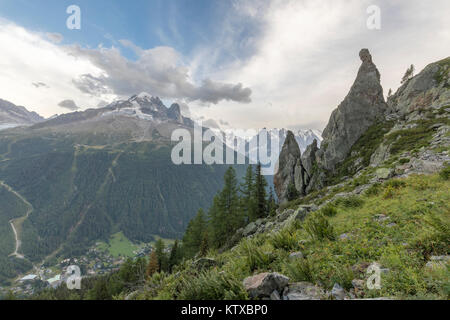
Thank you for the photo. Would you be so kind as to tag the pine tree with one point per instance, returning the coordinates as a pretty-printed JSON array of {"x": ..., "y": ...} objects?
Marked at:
[
  {"x": 272, "y": 204},
  {"x": 225, "y": 217},
  {"x": 153, "y": 265},
  {"x": 204, "y": 245},
  {"x": 247, "y": 201},
  {"x": 174, "y": 256},
  {"x": 408, "y": 74},
  {"x": 194, "y": 234},
  {"x": 260, "y": 194},
  {"x": 389, "y": 93}
]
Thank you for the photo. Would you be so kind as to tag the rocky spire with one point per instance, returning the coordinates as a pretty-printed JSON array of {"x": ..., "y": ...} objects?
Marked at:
[
  {"x": 285, "y": 173},
  {"x": 362, "y": 107},
  {"x": 174, "y": 113}
]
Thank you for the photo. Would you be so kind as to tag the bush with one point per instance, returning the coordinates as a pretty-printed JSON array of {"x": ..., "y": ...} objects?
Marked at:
[
  {"x": 300, "y": 270},
  {"x": 373, "y": 190},
  {"x": 403, "y": 160},
  {"x": 212, "y": 285},
  {"x": 437, "y": 242},
  {"x": 395, "y": 183},
  {"x": 350, "y": 202},
  {"x": 389, "y": 192},
  {"x": 285, "y": 239},
  {"x": 318, "y": 227},
  {"x": 292, "y": 192},
  {"x": 255, "y": 257},
  {"x": 445, "y": 173},
  {"x": 329, "y": 210}
]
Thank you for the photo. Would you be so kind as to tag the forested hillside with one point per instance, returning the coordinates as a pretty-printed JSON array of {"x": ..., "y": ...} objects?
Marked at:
[{"x": 81, "y": 193}]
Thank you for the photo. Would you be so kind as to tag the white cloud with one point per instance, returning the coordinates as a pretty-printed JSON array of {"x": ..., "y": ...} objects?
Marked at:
[
  {"x": 28, "y": 57},
  {"x": 306, "y": 55}
]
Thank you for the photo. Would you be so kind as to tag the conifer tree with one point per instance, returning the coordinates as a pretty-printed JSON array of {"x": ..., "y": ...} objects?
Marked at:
[
  {"x": 272, "y": 204},
  {"x": 247, "y": 201},
  {"x": 194, "y": 234},
  {"x": 225, "y": 217},
  {"x": 153, "y": 265},
  {"x": 204, "y": 245},
  {"x": 260, "y": 194},
  {"x": 174, "y": 256}
]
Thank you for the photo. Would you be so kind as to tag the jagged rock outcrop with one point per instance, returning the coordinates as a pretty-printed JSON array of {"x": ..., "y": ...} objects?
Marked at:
[
  {"x": 361, "y": 108},
  {"x": 288, "y": 164},
  {"x": 427, "y": 89},
  {"x": 174, "y": 113}
]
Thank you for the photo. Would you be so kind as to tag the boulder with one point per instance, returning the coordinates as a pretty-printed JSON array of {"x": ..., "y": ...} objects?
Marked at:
[
  {"x": 250, "y": 229},
  {"x": 263, "y": 284},
  {"x": 303, "y": 291},
  {"x": 275, "y": 295},
  {"x": 338, "y": 292},
  {"x": 384, "y": 173}
]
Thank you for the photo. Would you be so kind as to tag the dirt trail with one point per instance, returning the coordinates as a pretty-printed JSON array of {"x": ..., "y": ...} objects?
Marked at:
[{"x": 17, "y": 222}]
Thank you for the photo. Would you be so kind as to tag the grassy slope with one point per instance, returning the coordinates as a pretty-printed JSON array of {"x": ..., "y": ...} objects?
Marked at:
[{"x": 420, "y": 209}]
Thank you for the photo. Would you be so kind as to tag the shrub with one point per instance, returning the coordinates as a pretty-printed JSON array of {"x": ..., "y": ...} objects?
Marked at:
[
  {"x": 445, "y": 173},
  {"x": 329, "y": 210},
  {"x": 255, "y": 257},
  {"x": 437, "y": 242},
  {"x": 403, "y": 160},
  {"x": 373, "y": 190},
  {"x": 350, "y": 202},
  {"x": 285, "y": 239},
  {"x": 300, "y": 270},
  {"x": 395, "y": 183},
  {"x": 318, "y": 227},
  {"x": 292, "y": 192},
  {"x": 389, "y": 192},
  {"x": 212, "y": 285}
]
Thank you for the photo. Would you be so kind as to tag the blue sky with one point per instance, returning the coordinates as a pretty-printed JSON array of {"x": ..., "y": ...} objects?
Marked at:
[
  {"x": 181, "y": 24},
  {"x": 249, "y": 63}
]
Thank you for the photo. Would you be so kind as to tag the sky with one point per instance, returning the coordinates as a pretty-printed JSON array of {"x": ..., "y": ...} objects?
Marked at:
[{"x": 246, "y": 64}]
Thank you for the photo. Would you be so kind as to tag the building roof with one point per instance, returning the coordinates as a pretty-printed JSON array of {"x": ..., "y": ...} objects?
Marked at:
[{"x": 29, "y": 277}]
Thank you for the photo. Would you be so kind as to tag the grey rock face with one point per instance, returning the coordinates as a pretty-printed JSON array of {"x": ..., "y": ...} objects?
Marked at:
[
  {"x": 287, "y": 166},
  {"x": 264, "y": 284},
  {"x": 426, "y": 89},
  {"x": 361, "y": 108},
  {"x": 338, "y": 292}
]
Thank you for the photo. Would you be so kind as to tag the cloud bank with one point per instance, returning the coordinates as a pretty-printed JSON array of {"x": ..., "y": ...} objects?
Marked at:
[{"x": 159, "y": 70}]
